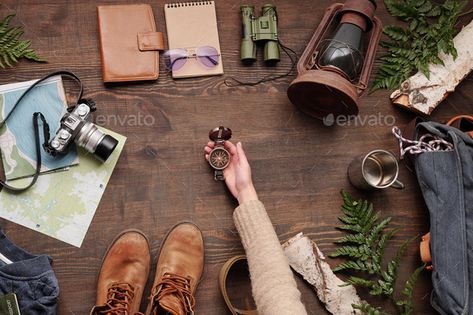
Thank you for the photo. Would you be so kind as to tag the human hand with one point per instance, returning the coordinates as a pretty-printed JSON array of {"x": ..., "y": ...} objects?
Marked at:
[{"x": 238, "y": 173}]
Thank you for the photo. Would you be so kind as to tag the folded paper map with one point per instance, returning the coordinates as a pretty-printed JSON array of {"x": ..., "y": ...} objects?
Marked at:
[
  {"x": 17, "y": 140},
  {"x": 62, "y": 204}
]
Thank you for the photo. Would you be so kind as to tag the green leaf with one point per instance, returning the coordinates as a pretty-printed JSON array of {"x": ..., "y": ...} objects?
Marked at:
[
  {"x": 357, "y": 281},
  {"x": 361, "y": 252},
  {"x": 425, "y": 8},
  {"x": 407, "y": 306},
  {"x": 395, "y": 32},
  {"x": 376, "y": 231},
  {"x": 430, "y": 30},
  {"x": 362, "y": 249},
  {"x": 368, "y": 309},
  {"x": 11, "y": 47},
  {"x": 351, "y": 238}
]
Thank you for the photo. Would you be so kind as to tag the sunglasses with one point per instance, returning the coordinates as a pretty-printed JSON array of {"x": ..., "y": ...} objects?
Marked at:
[{"x": 176, "y": 58}]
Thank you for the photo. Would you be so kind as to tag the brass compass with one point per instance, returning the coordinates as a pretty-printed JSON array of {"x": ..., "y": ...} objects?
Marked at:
[{"x": 219, "y": 157}]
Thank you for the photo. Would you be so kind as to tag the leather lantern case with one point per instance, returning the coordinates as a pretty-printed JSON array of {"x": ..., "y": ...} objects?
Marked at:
[{"x": 129, "y": 43}]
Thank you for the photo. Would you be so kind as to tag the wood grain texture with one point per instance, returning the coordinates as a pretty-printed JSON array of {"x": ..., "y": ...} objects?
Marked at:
[{"x": 299, "y": 165}]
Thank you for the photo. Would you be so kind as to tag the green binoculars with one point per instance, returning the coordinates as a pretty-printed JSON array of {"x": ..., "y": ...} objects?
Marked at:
[{"x": 259, "y": 29}]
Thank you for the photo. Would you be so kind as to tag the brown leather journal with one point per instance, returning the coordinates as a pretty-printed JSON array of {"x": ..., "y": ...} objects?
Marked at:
[{"x": 129, "y": 43}]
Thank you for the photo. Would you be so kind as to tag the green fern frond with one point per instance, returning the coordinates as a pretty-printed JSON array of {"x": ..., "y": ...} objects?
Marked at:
[
  {"x": 429, "y": 30},
  {"x": 363, "y": 248},
  {"x": 360, "y": 282},
  {"x": 12, "y": 48},
  {"x": 368, "y": 309},
  {"x": 393, "y": 265},
  {"x": 351, "y": 239},
  {"x": 376, "y": 231},
  {"x": 363, "y": 234},
  {"x": 406, "y": 306},
  {"x": 362, "y": 252},
  {"x": 382, "y": 245},
  {"x": 358, "y": 265}
]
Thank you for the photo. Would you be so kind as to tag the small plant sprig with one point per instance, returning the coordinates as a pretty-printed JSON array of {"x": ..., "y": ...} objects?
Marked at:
[
  {"x": 429, "y": 30},
  {"x": 363, "y": 248},
  {"x": 12, "y": 48}
]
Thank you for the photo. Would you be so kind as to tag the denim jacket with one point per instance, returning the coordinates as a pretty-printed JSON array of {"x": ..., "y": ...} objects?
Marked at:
[{"x": 30, "y": 277}]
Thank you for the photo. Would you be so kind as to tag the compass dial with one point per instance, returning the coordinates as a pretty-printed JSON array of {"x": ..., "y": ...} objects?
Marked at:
[{"x": 219, "y": 158}]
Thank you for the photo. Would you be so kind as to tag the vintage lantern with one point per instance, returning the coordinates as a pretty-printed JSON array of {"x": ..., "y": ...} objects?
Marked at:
[{"x": 335, "y": 67}]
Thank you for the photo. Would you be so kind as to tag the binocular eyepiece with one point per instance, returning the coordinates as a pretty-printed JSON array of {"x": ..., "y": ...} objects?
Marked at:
[{"x": 259, "y": 29}]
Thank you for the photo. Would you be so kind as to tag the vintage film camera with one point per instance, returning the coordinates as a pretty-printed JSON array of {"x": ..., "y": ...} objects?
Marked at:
[
  {"x": 75, "y": 128},
  {"x": 259, "y": 29}
]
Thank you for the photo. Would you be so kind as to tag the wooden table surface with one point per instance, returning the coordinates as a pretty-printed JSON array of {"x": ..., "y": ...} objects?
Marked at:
[{"x": 299, "y": 165}]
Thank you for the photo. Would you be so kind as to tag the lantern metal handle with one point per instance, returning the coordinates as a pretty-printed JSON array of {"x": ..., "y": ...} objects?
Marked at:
[
  {"x": 370, "y": 55},
  {"x": 307, "y": 60}
]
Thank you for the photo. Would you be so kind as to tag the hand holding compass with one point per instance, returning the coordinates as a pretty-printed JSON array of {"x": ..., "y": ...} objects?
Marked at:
[{"x": 237, "y": 170}]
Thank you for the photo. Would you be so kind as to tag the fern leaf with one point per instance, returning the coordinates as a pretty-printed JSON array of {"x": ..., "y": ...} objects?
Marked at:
[
  {"x": 406, "y": 306},
  {"x": 363, "y": 248},
  {"x": 390, "y": 275},
  {"x": 361, "y": 252},
  {"x": 380, "y": 248},
  {"x": 350, "y": 228},
  {"x": 368, "y": 309},
  {"x": 357, "y": 266},
  {"x": 382, "y": 288},
  {"x": 360, "y": 282},
  {"x": 12, "y": 48},
  {"x": 430, "y": 30},
  {"x": 376, "y": 231},
  {"x": 352, "y": 239}
]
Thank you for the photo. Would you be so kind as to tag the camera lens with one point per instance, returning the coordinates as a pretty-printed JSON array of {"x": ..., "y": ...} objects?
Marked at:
[
  {"x": 95, "y": 141},
  {"x": 105, "y": 147}
]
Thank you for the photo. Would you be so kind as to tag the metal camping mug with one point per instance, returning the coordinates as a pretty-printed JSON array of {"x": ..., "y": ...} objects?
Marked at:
[{"x": 376, "y": 170}]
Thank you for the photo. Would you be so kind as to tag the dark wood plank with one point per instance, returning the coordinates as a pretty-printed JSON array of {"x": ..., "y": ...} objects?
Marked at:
[{"x": 298, "y": 164}]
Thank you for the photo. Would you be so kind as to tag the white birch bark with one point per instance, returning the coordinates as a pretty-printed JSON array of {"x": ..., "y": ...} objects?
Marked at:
[
  {"x": 423, "y": 95},
  {"x": 306, "y": 259}
]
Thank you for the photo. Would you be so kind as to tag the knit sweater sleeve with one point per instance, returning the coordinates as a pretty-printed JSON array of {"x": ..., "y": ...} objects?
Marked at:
[{"x": 273, "y": 285}]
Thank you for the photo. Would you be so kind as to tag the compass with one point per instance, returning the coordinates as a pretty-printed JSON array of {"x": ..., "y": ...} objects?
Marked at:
[{"x": 219, "y": 157}]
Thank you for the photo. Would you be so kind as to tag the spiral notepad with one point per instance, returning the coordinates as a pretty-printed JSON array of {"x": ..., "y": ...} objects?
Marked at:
[{"x": 191, "y": 25}]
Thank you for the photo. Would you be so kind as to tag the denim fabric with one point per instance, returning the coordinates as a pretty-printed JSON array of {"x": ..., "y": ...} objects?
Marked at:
[
  {"x": 30, "y": 277},
  {"x": 446, "y": 181}
]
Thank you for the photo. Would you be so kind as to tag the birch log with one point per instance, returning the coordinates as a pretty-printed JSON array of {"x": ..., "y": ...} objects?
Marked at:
[
  {"x": 423, "y": 95},
  {"x": 306, "y": 259}
]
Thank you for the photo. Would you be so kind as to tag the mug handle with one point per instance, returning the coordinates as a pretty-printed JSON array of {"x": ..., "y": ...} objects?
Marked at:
[{"x": 397, "y": 184}]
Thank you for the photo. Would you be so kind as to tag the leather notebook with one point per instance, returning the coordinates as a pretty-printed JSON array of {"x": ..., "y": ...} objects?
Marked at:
[
  {"x": 190, "y": 25},
  {"x": 129, "y": 43}
]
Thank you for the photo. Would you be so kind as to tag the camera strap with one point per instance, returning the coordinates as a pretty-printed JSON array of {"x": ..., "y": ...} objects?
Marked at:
[{"x": 36, "y": 117}]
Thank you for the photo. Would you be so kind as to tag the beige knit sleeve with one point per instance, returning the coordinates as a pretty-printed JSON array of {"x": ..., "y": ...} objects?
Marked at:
[{"x": 274, "y": 288}]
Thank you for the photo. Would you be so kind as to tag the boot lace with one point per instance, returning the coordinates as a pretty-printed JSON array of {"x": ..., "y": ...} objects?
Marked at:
[
  {"x": 119, "y": 299},
  {"x": 178, "y": 285}
]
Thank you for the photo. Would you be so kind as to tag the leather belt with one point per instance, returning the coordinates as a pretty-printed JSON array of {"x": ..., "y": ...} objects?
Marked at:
[
  {"x": 463, "y": 122},
  {"x": 226, "y": 268}
]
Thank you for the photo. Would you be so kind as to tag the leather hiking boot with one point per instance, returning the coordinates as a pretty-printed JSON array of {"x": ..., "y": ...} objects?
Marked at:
[
  {"x": 122, "y": 278},
  {"x": 178, "y": 271}
]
